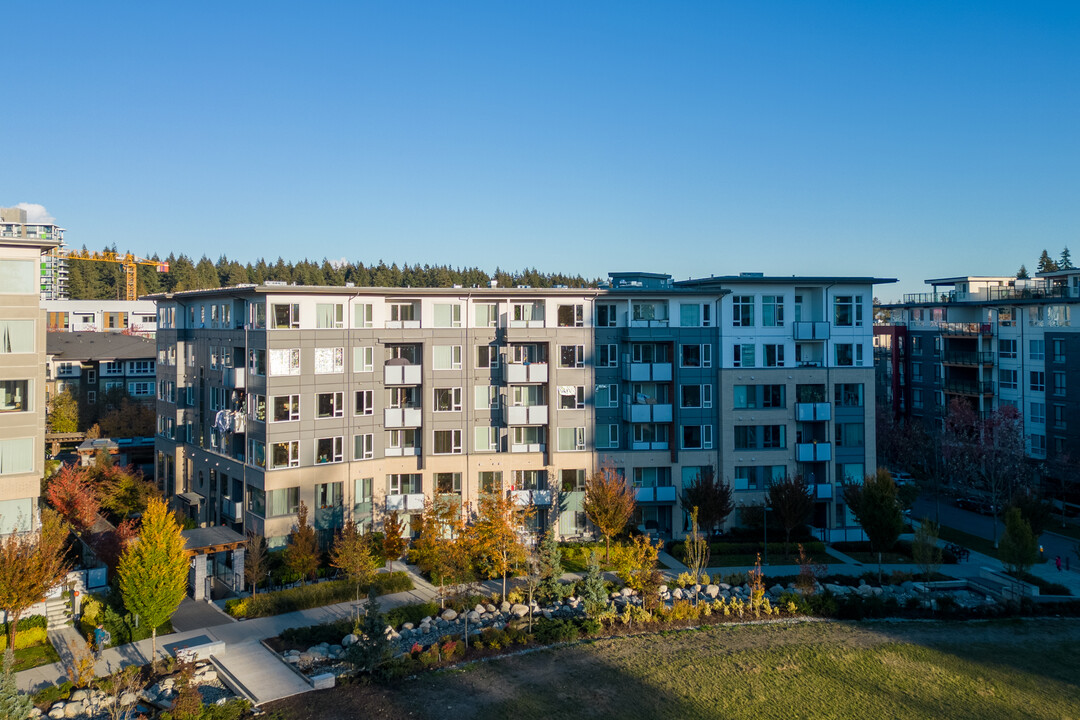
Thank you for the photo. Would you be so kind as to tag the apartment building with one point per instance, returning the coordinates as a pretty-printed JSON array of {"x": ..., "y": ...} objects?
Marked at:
[
  {"x": 22, "y": 381},
  {"x": 990, "y": 341},
  {"x": 361, "y": 399},
  {"x": 135, "y": 317},
  {"x": 53, "y": 270}
]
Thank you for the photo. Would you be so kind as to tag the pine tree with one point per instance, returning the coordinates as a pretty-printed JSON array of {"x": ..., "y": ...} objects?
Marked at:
[
  {"x": 302, "y": 552},
  {"x": 13, "y": 704},
  {"x": 372, "y": 648},
  {"x": 154, "y": 570},
  {"x": 1065, "y": 263},
  {"x": 551, "y": 587},
  {"x": 1046, "y": 264},
  {"x": 593, "y": 589},
  {"x": 1022, "y": 273}
]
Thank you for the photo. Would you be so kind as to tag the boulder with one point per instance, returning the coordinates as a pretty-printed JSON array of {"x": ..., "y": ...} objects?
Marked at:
[
  {"x": 128, "y": 698},
  {"x": 724, "y": 586},
  {"x": 504, "y": 607},
  {"x": 79, "y": 696},
  {"x": 776, "y": 589},
  {"x": 73, "y": 709},
  {"x": 427, "y": 621},
  {"x": 519, "y": 610},
  {"x": 712, "y": 591},
  {"x": 473, "y": 617},
  {"x": 490, "y": 608},
  {"x": 35, "y": 712},
  {"x": 292, "y": 659},
  {"x": 407, "y": 626},
  {"x": 448, "y": 614},
  {"x": 320, "y": 652},
  {"x": 56, "y": 711},
  {"x": 678, "y": 594},
  {"x": 480, "y": 609},
  {"x": 662, "y": 589},
  {"x": 627, "y": 592},
  {"x": 547, "y": 614}
]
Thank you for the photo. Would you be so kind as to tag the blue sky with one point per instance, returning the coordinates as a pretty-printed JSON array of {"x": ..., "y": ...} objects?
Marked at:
[{"x": 907, "y": 140}]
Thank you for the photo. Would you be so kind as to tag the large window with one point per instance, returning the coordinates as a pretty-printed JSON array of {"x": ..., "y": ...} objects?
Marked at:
[
  {"x": 605, "y": 315},
  {"x": 697, "y": 437},
  {"x": 405, "y": 483},
  {"x": 848, "y": 310},
  {"x": 16, "y": 336},
  {"x": 285, "y": 315},
  {"x": 447, "y": 442},
  {"x": 760, "y": 437},
  {"x": 487, "y": 356},
  {"x": 695, "y": 356},
  {"x": 363, "y": 446},
  {"x": 849, "y": 395},
  {"x": 18, "y": 277},
  {"x": 329, "y": 495},
  {"x": 607, "y": 436},
  {"x": 755, "y": 397},
  {"x": 1006, "y": 379},
  {"x": 850, "y": 435},
  {"x": 285, "y": 407},
  {"x": 772, "y": 310},
  {"x": 1007, "y": 349},
  {"x": 329, "y": 360},
  {"x": 16, "y": 455},
  {"x": 742, "y": 356},
  {"x": 285, "y": 501},
  {"x": 1037, "y": 349},
  {"x": 571, "y": 397},
  {"x": 607, "y": 356},
  {"x": 447, "y": 483},
  {"x": 571, "y": 315},
  {"x": 571, "y": 356},
  {"x": 330, "y": 405},
  {"x": 447, "y": 315},
  {"x": 527, "y": 313},
  {"x": 487, "y": 314},
  {"x": 16, "y": 396},
  {"x": 1037, "y": 381},
  {"x": 363, "y": 315},
  {"x": 446, "y": 357},
  {"x": 486, "y": 397},
  {"x": 364, "y": 402},
  {"x": 284, "y": 454},
  {"x": 329, "y": 315},
  {"x": 486, "y": 439},
  {"x": 696, "y": 396},
  {"x": 448, "y": 399},
  {"x": 285, "y": 361},
  {"x": 571, "y": 439},
  {"x": 607, "y": 396},
  {"x": 490, "y": 481},
  {"x": 329, "y": 450},
  {"x": 774, "y": 355},
  {"x": 742, "y": 310},
  {"x": 363, "y": 359}
]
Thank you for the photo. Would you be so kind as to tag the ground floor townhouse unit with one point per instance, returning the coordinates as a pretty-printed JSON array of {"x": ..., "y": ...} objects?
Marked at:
[
  {"x": 357, "y": 401},
  {"x": 990, "y": 341}
]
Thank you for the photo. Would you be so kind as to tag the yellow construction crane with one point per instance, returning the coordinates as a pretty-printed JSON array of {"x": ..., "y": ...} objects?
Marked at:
[{"x": 129, "y": 261}]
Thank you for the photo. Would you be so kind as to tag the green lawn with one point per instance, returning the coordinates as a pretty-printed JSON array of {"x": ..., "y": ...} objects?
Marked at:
[
  {"x": 1002, "y": 669},
  {"x": 32, "y": 657}
]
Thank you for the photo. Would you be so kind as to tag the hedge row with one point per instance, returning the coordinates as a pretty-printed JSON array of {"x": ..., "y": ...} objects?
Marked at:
[
  {"x": 814, "y": 548},
  {"x": 26, "y": 638},
  {"x": 315, "y": 595}
]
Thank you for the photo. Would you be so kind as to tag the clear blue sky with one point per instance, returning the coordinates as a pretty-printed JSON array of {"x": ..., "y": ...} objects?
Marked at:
[{"x": 913, "y": 139}]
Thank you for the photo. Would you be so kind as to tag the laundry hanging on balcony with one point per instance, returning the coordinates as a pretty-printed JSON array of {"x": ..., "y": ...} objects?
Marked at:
[{"x": 567, "y": 390}]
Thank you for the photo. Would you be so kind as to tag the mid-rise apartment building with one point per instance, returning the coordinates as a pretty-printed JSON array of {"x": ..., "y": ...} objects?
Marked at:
[
  {"x": 356, "y": 400},
  {"x": 22, "y": 381},
  {"x": 134, "y": 317},
  {"x": 52, "y": 268},
  {"x": 990, "y": 341}
]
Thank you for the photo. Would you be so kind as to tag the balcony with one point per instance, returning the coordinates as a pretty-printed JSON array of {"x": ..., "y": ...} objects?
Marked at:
[
  {"x": 234, "y": 378},
  {"x": 969, "y": 387},
  {"x": 967, "y": 358},
  {"x": 811, "y": 330},
  {"x": 402, "y": 451},
  {"x": 531, "y": 497},
  {"x": 232, "y": 509},
  {"x": 527, "y": 415},
  {"x": 813, "y": 452},
  {"x": 412, "y": 502},
  {"x": 527, "y": 447},
  {"x": 813, "y": 412},
  {"x": 646, "y": 372},
  {"x": 664, "y": 493},
  {"x": 645, "y": 412},
  {"x": 822, "y": 491},
  {"x": 654, "y": 445},
  {"x": 403, "y": 374},
  {"x": 402, "y": 417},
  {"x": 958, "y": 328},
  {"x": 527, "y": 373}
]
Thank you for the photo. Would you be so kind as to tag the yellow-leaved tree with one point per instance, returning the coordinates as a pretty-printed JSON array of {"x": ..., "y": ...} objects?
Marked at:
[
  {"x": 609, "y": 503},
  {"x": 154, "y": 569},
  {"x": 496, "y": 535}
]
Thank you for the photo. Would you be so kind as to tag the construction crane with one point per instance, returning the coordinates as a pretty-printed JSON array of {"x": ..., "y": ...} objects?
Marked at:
[{"x": 129, "y": 261}]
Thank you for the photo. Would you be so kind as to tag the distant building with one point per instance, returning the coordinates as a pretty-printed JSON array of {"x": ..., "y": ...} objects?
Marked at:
[
  {"x": 138, "y": 316},
  {"x": 22, "y": 379},
  {"x": 358, "y": 400},
  {"x": 53, "y": 269}
]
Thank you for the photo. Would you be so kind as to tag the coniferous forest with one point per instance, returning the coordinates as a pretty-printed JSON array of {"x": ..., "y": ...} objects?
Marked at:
[{"x": 89, "y": 280}]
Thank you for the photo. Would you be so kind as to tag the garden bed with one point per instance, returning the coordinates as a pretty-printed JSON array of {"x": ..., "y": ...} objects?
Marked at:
[{"x": 319, "y": 594}]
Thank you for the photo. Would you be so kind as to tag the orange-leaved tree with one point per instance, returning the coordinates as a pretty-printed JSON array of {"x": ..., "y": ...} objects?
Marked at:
[
  {"x": 72, "y": 494},
  {"x": 609, "y": 503},
  {"x": 302, "y": 552},
  {"x": 31, "y": 564},
  {"x": 496, "y": 535}
]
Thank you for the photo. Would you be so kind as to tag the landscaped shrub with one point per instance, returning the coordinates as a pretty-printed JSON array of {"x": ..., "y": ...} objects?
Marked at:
[
  {"x": 411, "y": 613},
  {"x": 46, "y": 696},
  {"x": 547, "y": 631},
  {"x": 494, "y": 638},
  {"x": 315, "y": 595},
  {"x": 589, "y": 626},
  {"x": 779, "y": 549},
  {"x": 31, "y": 631},
  {"x": 330, "y": 633}
]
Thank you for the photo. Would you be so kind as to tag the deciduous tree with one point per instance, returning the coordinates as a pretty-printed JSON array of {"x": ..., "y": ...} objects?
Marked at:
[
  {"x": 877, "y": 510},
  {"x": 302, "y": 552},
  {"x": 609, "y": 503},
  {"x": 496, "y": 535},
  {"x": 351, "y": 553},
  {"x": 71, "y": 493},
  {"x": 638, "y": 569},
  {"x": 154, "y": 569},
  {"x": 1019, "y": 547},
  {"x": 31, "y": 564},
  {"x": 394, "y": 540},
  {"x": 711, "y": 496},
  {"x": 123, "y": 491},
  {"x": 256, "y": 560},
  {"x": 696, "y": 549},
  {"x": 441, "y": 548},
  {"x": 791, "y": 503},
  {"x": 63, "y": 413},
  {"x": 925, "y": 550}
]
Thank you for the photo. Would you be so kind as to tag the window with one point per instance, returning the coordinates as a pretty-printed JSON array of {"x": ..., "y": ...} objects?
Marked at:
[
  {"x": 363, "y": 315},
  {"x": 530, "y": 479},
  {"x": 845, "y": 354},
  {"x": 328, "y": 495},
  {"x": 607, "y": 396},
  {"x": 284, "y": 454},
  {"x": 571, "y": 356},
  {"x": 528, "y": 313},
  {"x": 487, "y": 356},
  {"x": 850, "y": 435},
  {"x": 285, "y": 315},
  {"x": 487, "y": 315},
  {"x": 572, "y": 480},
  {"x": 1037, "y": 412},
  {"x": 1006, "y": 379},
  {"x": 742, "y": 356},
  {"x": 447, "y": 442},
  {"x": 1038, "y": 445},
  {"x": 329, "y": 450},
  {"x": 447, "y": 482},
  {"x": 329, "y": 315},
  {"x": 571, "y": 397},
  {"x": 652, "y": 477},
  {"x": 528, "y": 436},
  {"x": 772, "y": 310},
  {"x": 848, "y": 310},
  {"x": 446, "y": 357},
  {"x": 486, "y": 397},
  {"x": 571, "y": 439},
  {"x": 447, "y": 315},
  {"x": 1059, "y": 350},
  {"x": 285, "y": 362},
  {"x": 527, "y": 395},
  {"x": 16, "y": 336},
  {"x": 916, "y": 371},
  {"x": 849, "y": 395},
  {"x": 695, "y": 356},
  {"x": 697, "y": 437},
  {"x": 774, "y": 355},
  {"x": 1037, "y": 381},
  {"x": 917, "y": 399},
  {"x": 649, "y": 312},
  {"x": 571, "y": 316},
  {"x": 754, "y": 397},
  {"x": 650, "y": 433},
  {"x": 648, "y": 353},
  {"x": 916, "y": 343},
  {"x": 486, "y": 439},
  {"x": 760, "y": 437},
  {"x": 18, "y": 277},
  {"x": 1006, "y": 349},
  {"x": 363, "y": 359},
  {"x": 330, "y": 405},
  {"x": 605, "y": 315},
  {"x": 363, "y": 447},
  {"x": 490, "y": 481},
  {"x": 403, "y": 442},
  {"x": 364, "y": 402},
  {"x": 696, "y": 396},
  {"x": 329, "y": 360},
  {"x": 17, "y": 396},
  {"x": 401, "y": 313},
  {"x": 285, "y": 408},
  {"x": 742, "y": 311},
  {"x": 757, "y": 477},
  {"x": 1059, "y": 417},
  {"x": 141, "y": 389},
  {"x": 405, "y": 483},
  {"x": 607, "y": 356},
  {"x": 695, "y": 315},
  {"x": 1037, "y": 349},
  {"x": 16, "y": 454},
  {"x": 1059, "y": 384},
  {"x": 607, "y": 436},
  {"x": 447, "y": 399}
]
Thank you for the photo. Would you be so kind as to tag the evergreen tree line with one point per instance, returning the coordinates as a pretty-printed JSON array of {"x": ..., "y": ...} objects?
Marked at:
[
  {"x": 1048, "y": 264},
  {"x": 88, "y": 280}
]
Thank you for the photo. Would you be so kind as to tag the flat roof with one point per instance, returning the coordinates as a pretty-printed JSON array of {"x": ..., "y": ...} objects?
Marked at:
[
  {"x": 969, "y": 278},
  {"x": 99, "y": 346},
  {"x": 787, "y": 279}
]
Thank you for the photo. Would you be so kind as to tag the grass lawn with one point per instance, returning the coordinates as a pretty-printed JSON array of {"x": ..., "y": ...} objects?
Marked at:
[
  {"x": 972, "y": 542},
  {"x": 1001, "y": 669},
  {"x": 1070, "y": 530},
  {"x": 32, "y": 657}
]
